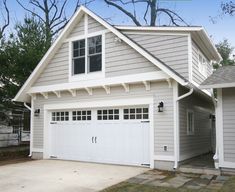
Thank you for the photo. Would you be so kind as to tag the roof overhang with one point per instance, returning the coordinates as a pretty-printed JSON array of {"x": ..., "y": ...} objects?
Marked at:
[
  {"x": 198, "y": 33},
  {"x": 215, "y": 86}
]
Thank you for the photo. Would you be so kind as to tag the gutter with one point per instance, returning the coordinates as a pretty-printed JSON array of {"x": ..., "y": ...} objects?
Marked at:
[
  {"x": 31, "y": 123},
  {"x": 176, "y": 140}
]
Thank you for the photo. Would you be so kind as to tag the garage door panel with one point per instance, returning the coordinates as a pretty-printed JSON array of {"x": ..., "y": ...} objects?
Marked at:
[{"x": 106, "y": 141}]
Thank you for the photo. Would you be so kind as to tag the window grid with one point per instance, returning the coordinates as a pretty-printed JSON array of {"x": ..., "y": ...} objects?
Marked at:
[
  {"x": 60, "y": 116},
  {"x": 135, "y": 113},
  {"x": 190, "y": 122},
  {"x": 108, "y": 114},
  {"x": 81, "y": 115}
]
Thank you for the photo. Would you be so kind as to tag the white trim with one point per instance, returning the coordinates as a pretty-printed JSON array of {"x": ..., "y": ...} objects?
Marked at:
[
  {"x": 151, "y": 76},
  {"x": 219, "y": 85},
  {"x": 89, "y": 90},
  {"x": 31, "y": 126},
  {"x": 176, "y": 123},
  {"x": 107, "y": 89},
  {"x": 219, "y": 127},
  {"x": 189, "y": 133},
  {"x": 94, "y": 104},
  {"x": 85, "y": 24},
  {"x": 147, "y": 85},
  {"x": 37, "y": 150},
  {"x": 57, "y": 93},
  {"x": 87, "y": 75},
  {"x": 126, "y": 87},
  {"x": 190, "y": 58},
  {"x": 80, "y": 37},
  {"x": 227, "y": 164},
  {"x": 164, "y": 158},
  {"x": 44, "y": 94},
  {"x": 73, "y": 92},
  {"x": 154, "y": 33},
  {"x": 68, "y": 28},
  {"x": 196, "y": 28}
]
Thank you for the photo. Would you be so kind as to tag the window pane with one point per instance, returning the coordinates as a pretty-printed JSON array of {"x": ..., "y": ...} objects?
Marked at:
[
  {"x": 79, "y": 65},
  {"x": 116, "y": 117},
  {"x": 88, "y": 117},
  {"x": 138, "y": 110},
  {"x": 110, "y": 111},
  {"x": 95, "y": 63},
  {"x": 116, "y": 111},
  {"x": 126, "y": 116},
  {"x": 145, "y": 116},
  {"x": 126, "y": 110}
]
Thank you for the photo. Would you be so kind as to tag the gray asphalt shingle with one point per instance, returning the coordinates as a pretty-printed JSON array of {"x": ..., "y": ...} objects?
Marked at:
[{"x": 221, "y": 76}]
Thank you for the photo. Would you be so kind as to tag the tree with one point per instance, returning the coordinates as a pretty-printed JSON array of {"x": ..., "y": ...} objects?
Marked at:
[
  {"x": 152, "y": 8},
  {"x": 228, "y": 7},
  {"x": 19, "y": 55},
  {"x": 5, "y": 18},
  {"x": 225, "y": 50},
  {"x": 51, "y": 13}
]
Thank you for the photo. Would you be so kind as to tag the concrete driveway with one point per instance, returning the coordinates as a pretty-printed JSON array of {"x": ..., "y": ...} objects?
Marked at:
[{"x": 56, "y": 176}]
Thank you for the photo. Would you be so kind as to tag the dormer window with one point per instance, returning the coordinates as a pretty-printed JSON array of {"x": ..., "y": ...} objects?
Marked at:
[{"x": 87, "y": 55}]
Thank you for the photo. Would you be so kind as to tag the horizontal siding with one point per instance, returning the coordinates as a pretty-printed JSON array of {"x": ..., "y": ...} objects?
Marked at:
[
  {"x": 94, "y": 26},
  {"x": 171, "y": 49},
  {"x": 121, "y": 59},
  {"x": 229, "y": 124},
  {"x": 200, "y": 142},
  {"x": 163, "y": 122},
  {"x": 57, "y": 69},
  {"x": 78, "y": 29},
  {"x": 197, "y": 76}
]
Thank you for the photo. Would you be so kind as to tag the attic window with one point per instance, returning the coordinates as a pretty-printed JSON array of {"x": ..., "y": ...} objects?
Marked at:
[{"x": 87, "y": 55}]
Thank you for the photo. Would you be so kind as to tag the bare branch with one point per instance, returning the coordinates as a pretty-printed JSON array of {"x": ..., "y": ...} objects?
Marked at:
[
  {"x": 124, "y": 11},
  {"x": 7, "y": 20},
  {"x": 145, "y": 14}
]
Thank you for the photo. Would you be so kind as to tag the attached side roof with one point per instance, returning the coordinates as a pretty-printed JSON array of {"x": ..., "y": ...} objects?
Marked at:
[
  {"x": 22, "y": 94},
  {"x": 198, "y": 34},
  {"x": 221, "y": 78}
]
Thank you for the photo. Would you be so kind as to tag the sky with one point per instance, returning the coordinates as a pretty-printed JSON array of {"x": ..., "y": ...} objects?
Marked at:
[{"x": 194, "y": 12}]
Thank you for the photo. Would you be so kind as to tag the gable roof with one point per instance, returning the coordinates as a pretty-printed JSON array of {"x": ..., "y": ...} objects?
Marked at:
[
  {"x": 22, "y": 94},
  {"x": 198, "y": 34},
  {"x": 221, "y": 78}
]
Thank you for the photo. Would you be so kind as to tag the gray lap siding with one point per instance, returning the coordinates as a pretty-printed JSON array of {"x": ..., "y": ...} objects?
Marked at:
[{"x": 163, "y": 122}]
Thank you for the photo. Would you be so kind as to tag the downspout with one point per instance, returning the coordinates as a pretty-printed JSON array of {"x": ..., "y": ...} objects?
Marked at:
[
  {"x": 216, "y": 155},
  {"x": 30, "y": 109},
  {"x": 177, "y": 126}
]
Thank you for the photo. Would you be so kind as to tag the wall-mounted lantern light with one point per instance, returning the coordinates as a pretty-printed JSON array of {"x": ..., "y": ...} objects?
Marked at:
[
  {"x": 36, "y": 112},
  {"x": 160, "y": 107}
]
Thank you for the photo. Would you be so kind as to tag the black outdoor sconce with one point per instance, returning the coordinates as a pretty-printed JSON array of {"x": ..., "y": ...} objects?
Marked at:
[
  {"x": 160, "y": 107},
  {"x": 36, "y": 112}
]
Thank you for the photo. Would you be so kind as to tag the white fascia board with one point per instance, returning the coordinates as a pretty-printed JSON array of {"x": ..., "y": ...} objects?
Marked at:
[
  {"x": 214, "y": 86},
  {"x": 216, "y": 53},
  {"x": 136, "y": 47},
  {"x": 47, "y": 56},
  {"x": 159, "y": 28},
  {"x": 151, "y": 76}
]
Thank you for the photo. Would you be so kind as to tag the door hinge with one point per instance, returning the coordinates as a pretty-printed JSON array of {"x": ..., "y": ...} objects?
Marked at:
[
  {"x": 145, "y": 164},
  {"x": 53, "y": 157},
  {"x": 53, "y": 122}
]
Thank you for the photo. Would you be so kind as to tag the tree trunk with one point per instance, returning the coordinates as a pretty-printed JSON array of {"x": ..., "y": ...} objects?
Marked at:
[{"x": 153, "y": 13}]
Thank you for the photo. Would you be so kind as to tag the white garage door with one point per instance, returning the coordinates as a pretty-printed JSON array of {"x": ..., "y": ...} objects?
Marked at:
[{"x": 110, "y": 135}]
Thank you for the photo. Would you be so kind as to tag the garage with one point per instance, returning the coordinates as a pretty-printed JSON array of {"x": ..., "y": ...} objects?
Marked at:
[{"x": 117, "y": 135}]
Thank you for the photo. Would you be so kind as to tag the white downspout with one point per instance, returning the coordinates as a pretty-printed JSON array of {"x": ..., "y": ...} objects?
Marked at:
[
  {"x": 31, "y": 123},
  {"x": 177, "y": 127}
]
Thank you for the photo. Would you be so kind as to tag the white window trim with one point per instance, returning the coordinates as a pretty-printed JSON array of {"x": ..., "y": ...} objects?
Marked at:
[
  {"x": 86, "y": 75},
  {"x": 201, "y": 65},
  {"x": 193, "y": 131}
]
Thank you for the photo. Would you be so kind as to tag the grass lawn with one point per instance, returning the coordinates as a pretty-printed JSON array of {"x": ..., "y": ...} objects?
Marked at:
[{"x": 229, "y": 186}]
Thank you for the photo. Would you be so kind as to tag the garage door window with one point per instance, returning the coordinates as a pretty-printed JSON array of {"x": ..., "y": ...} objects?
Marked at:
[
  {"x": 81, "y": 115},
  {"x": 136, "y": 113},
  {"x": 108, "y": 114},
  {"x": 60, "y": 116}
]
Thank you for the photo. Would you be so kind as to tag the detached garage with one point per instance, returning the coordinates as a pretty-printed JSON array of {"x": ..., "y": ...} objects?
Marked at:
[{"x": 105, "y": 135}]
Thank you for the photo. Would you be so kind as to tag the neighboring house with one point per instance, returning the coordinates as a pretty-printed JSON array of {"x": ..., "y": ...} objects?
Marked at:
[
  {"x": 223, "y": 81},
  {"x": 122, "y": 95}
]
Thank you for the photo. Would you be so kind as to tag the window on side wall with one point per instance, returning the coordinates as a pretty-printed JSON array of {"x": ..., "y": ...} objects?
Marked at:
[
  {"x": 202, "y": 64},
  {"x": 190, "y": 122},
  {"x": 87, "y": 55}
]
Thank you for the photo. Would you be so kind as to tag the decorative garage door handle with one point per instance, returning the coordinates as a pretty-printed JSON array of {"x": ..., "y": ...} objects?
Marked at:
[
  {"x": 95, "y": 139},
  {"x": 92, "y": 139}
]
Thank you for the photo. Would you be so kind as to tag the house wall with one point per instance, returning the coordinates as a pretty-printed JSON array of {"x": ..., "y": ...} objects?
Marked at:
[
  {"x": 228, "y": 103},
  {"x": 163, "y": 122},
  {"x": 171, "y": 49},
  {"x": 120, "y": 58},
  {"x": 200, "y": 142},
  {"x": 197, "y": 77}
]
